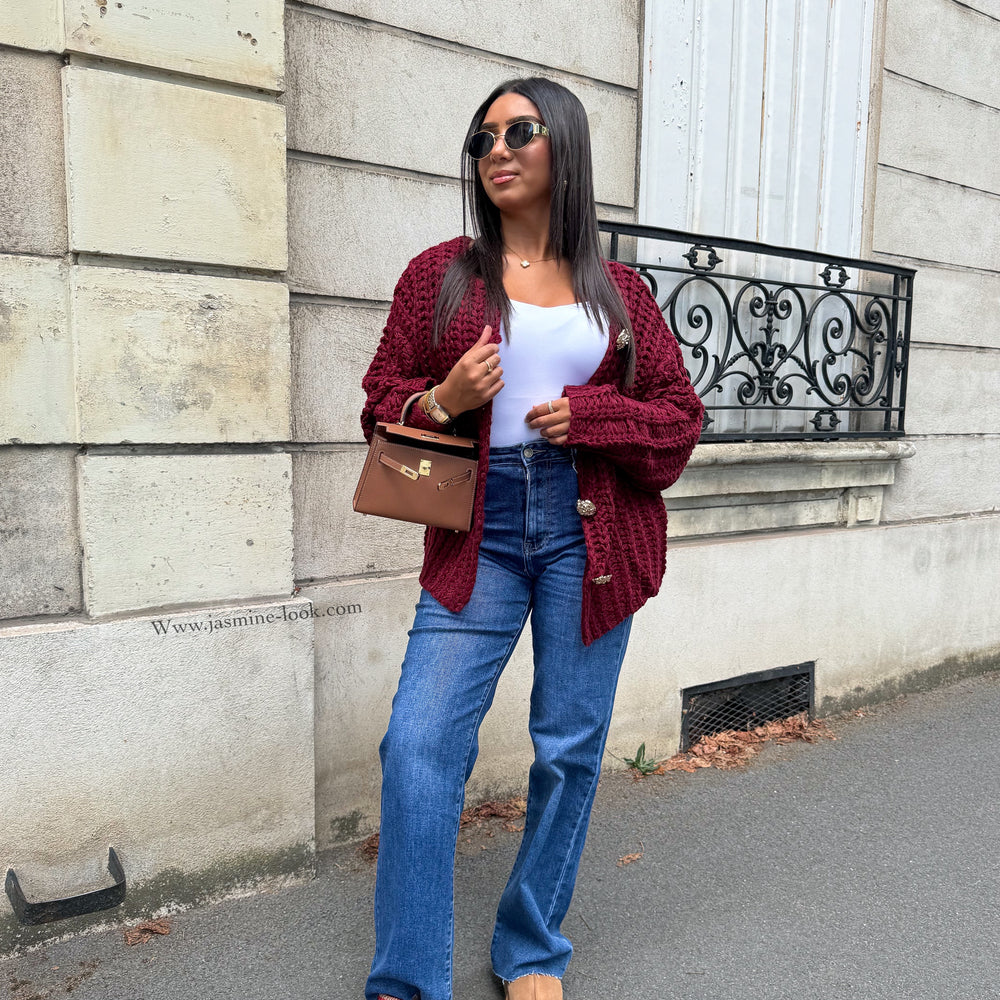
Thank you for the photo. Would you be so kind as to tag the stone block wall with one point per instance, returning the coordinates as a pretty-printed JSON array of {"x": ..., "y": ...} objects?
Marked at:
[
  {"x": 145, "y": 403},
  {"x": 936, "y": 205}
]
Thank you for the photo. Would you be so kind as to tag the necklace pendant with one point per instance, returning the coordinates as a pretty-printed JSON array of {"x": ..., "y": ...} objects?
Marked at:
[{"x": 525, "y": 263}]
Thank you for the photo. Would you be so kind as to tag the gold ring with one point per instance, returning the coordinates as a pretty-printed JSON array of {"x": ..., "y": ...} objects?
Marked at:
[
  {"x": 551, "y": 407},
  {"x": 489, "y": 367}
]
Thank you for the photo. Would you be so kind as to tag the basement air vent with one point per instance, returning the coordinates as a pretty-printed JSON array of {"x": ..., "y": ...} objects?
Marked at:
[{"x": 747, "y": 701}]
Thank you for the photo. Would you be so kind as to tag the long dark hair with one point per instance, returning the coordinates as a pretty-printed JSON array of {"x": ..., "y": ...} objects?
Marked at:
[{"x": 573, "y": 234}]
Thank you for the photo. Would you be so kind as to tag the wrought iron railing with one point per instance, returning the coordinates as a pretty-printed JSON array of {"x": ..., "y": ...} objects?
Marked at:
[{"x": 781, "y": 344}]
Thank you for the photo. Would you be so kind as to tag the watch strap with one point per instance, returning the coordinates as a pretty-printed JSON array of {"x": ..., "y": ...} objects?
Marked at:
[{"x": 434, "y": 409}]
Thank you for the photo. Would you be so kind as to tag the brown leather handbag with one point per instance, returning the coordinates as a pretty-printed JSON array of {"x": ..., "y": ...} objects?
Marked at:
[{"x": 417, "y": 475}]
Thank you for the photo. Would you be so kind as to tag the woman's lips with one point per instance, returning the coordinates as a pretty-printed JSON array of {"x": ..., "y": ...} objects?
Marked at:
[{"x": 502, "y": 178}]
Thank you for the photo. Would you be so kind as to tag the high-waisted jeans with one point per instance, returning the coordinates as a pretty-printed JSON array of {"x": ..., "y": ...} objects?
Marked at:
[{"x": 531, "y": 561}]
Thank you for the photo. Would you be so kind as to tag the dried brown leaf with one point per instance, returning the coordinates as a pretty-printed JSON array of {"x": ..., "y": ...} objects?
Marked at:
[
  {"x": 494, "y": 809},
  {"x": 369, "y": 847},
  {"x": 679, "y": 762},
  {"x": 141, "y": 933},
  {"x": 735, "y": 748},
  {"x": 506, "y": 809},
  {"x": 629, "y": 859}
]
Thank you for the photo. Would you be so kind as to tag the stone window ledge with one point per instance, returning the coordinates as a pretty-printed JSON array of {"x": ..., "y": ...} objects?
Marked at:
[{"x": 734, "y": 488}]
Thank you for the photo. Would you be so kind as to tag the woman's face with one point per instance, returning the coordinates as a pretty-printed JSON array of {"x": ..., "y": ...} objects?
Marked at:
[{"x": 517, "y": 181}]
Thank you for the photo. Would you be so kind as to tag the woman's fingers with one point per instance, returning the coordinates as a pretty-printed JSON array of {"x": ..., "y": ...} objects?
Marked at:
[
  {"x": 551, "y": 419},
  {"x": 547, "y": 413},
  {"x": 482, "y": 352},
  {"x": 557, "y": 433},
  {"x": 486, "y": 365},
  {"x": 493, "y": 390},
  {"x": 475, "y": 379}
]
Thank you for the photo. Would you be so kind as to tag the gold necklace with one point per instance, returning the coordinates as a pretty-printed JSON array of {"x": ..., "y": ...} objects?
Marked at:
[{"x": 524, "y": 261}]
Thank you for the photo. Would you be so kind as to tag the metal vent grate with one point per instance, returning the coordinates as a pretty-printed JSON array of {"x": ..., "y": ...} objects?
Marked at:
[{"x": 747, "y": 701}]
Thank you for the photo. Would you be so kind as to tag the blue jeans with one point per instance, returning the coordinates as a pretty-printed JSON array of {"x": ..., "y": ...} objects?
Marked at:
[{"x": 531, "y": 560}]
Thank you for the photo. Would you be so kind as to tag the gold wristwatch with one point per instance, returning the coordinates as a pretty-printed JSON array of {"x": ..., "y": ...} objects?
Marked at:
[{"x": 434, "y": 409}]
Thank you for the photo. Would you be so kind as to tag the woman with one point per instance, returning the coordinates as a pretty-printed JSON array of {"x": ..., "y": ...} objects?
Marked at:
[{"x": 560, "y": 364}]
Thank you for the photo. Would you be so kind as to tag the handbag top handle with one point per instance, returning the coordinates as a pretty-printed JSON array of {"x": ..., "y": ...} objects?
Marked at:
[{"x": 408, "y": 405}]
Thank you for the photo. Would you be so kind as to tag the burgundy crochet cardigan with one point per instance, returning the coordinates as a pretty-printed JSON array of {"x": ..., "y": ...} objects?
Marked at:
[{"x": 631, "y": 443}]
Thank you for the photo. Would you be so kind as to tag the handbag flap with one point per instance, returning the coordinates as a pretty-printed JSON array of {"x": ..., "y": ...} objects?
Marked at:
[{"x": 417, "y": 436}]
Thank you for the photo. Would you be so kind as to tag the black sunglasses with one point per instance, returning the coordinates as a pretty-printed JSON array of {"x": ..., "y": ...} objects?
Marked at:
[{"x": 517, "y": 136}]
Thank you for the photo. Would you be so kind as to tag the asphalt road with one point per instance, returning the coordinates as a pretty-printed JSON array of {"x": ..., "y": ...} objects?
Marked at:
[{"x": 861, "y": 867}]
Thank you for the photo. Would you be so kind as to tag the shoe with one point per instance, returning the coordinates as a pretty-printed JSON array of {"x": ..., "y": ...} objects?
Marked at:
[{"x": 534, "y": 987}]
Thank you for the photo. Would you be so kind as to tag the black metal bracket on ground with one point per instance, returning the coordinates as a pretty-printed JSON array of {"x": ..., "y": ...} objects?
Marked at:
[{"x": 72, "y": 906}]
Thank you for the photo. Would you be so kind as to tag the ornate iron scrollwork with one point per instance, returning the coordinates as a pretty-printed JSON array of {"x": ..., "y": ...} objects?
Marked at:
[
  {"x": 773, "y": 353},
  {"x": 827, "y": 275},
  {"x": 692, "y": 257},
  {"x": 831, "y": 418}
]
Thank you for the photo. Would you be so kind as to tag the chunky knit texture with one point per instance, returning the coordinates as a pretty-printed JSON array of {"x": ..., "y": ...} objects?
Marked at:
[{"x": 631, "y": 443}]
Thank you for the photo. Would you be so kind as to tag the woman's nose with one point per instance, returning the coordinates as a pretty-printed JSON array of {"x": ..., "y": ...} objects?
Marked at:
[{"x": 500, "y": 140}]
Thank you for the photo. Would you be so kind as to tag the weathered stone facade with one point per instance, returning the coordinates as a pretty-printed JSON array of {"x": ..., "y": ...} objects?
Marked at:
[
  {"x": 145, "y": 396},
  {"x": 204, "y": 211}
]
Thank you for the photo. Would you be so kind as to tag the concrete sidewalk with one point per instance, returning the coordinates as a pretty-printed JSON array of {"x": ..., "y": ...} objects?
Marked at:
[{"x": 864, "y": 867}]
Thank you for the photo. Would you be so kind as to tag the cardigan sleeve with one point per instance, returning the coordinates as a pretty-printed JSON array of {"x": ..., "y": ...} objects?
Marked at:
[
  {"x": 394, "y": 374},
  {"x": 648, "y": 431}
]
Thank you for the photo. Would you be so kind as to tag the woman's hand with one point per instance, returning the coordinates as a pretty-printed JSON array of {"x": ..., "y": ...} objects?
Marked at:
[
  {"x": 551, "y": 419},
  {"x": 475, "y": 379}
]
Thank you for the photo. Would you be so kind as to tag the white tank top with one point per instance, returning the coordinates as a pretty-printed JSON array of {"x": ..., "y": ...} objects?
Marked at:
[{"x": 548, "y": 347}]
